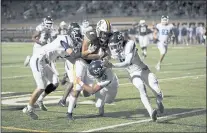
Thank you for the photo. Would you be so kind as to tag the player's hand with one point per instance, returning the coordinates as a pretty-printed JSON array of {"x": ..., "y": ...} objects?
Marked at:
[
  {"x": 78, "y": 80},
  {"x": 107, "y": 64},
  {"x": 101, "y": 52},
  {"x": 91, "y": 48},
  {"x": 155, "y": 40}
]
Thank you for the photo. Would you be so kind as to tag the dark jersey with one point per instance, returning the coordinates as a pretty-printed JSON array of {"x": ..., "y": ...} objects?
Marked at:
[
  {"x": 94, "y": 40},
  {"x": 143, "y": 30}
]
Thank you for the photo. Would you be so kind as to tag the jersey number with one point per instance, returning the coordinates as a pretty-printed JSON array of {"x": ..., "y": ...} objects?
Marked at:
[
  {"x": 143, "y": 29},
  {"x": 164, "y": 32}
]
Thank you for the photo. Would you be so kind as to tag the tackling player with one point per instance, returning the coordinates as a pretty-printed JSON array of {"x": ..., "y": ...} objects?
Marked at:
[
  {"x": 105, "y": 89},
  {"x": 44, "y": 75},
  {"x": 125, "y": 51}
]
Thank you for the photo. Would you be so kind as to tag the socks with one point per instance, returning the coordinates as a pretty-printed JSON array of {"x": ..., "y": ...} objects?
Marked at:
[
  {"x": 147, "y": 104},
  {"x": 72, "y": 102},
  {"x": 29, "y": 107}
]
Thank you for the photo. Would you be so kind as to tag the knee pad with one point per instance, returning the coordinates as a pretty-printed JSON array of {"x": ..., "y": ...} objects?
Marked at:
[{"x": 50, "y": 88}]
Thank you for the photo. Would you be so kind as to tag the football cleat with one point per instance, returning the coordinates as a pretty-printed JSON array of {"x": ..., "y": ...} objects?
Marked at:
[
  {"x": 30, "y": 113},
  {"x": 160, "y": 107},
  {"x": 154, "y": 115},
  {"x": 41, "y": 105},
  {"x": 101, "y": 111},
  {"x": 62, "y": 103},
  {"x": 26, "y": 62},
  {"x": 70, "y": 116}
]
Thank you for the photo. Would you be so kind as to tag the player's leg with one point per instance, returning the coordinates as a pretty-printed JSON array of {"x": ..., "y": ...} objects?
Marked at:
[
  {"x": 79, "y": 71},
  {"x": 100, "y": 98},
  {"x": 38, "y": 74},
  {"x": 163, "y": 50},
  {"x": 141, "y": 44},
  {"x": 53, "y": 83},
  {"x": 139, "y": 84},
  {"x": 151, "y": 80},
  {"x": 145, "y": 43},
  {"x": 69, "y": 72}
]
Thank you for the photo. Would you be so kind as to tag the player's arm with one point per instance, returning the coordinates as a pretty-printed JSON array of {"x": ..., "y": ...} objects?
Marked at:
[
  {"x": 125, "y": 63},
  {"x": 128, "y": 57},
  {"x": 155, "y": 32},
  {"x": 94, "y": 88},
  {"x": 36, "y": 36},
  {"x": 87, "y": 51}
]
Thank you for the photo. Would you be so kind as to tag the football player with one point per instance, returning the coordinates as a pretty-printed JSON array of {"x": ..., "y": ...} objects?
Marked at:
[
  {"x": 44, "y": 75},
  {"x": 161, "y": 35},
  {"x": 125, "y": 51},
  {"x": 94, "y": 47},
  {"x": 74, "y": 32},
  {"x": 105, "y": 89},
  {"x": 143, "y": 37},
  {"x": 42, "y": 36}
]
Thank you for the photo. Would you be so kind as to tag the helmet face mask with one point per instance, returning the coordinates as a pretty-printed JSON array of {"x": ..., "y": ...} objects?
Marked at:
[
  {"x": 164, "y": 20},
  {"x": 116, "y": 44},
  {"x": 104, "y": 36},
  {"x": 48, "y": 22},
  {"x": 75, "y": 33},
  {"x": 103, "y": 30}
]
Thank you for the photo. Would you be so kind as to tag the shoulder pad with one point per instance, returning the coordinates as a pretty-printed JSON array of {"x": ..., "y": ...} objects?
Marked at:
[
  {"x": 39, "y": 27},
  {"x": 91, "y": 35}
]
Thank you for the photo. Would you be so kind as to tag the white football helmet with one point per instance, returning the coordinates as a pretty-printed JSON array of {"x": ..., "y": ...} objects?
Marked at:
[
  {"x": 85, "y": 23},
  {"x": 47, "y": 22},
  {"x": 103, "y": 30},
  {"x": 164, "y": 19},
  {"x": 141, "y": 22}
]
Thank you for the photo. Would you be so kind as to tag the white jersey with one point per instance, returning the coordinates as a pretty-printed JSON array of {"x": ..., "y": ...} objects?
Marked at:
[
  {"x": 130, "y": 56},
  {"x": 45, "y": 34},
  {"x": 163, "y": 31},
  {"x": 108, "y": 76},
  {"x": 85, "y": 29},
  {"x": 54, "y": 49}
]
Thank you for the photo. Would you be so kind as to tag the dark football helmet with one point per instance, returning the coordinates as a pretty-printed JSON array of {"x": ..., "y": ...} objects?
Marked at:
[
  {"x": 116, "y": 43},
  {"x": 96, "y": 68},
  {"x": 75, "y": 32}
]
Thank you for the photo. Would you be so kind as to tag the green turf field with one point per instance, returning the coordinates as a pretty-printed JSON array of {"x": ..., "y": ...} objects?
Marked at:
[{"x": 182, "y": 79}]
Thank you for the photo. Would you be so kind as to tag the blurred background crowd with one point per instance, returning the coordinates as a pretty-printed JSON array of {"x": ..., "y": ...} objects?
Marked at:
[{"x": 34, "y": 10}]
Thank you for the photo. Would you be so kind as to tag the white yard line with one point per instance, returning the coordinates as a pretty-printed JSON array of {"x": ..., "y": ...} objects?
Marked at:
[
  {"x": 143, "y": 121},
  {"x": 174, "y": 78},
  {"x": 14, "y": 77},
  {"x": 7, "y": 92}
]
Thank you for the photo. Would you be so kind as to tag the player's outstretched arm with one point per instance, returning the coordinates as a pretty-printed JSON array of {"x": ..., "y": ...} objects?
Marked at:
[{"x": 94, "y": 88}]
